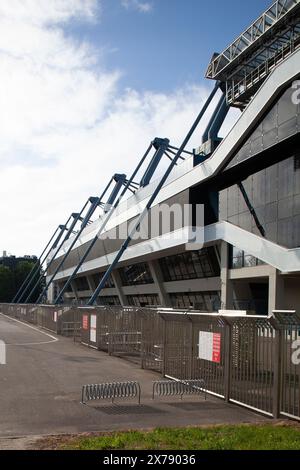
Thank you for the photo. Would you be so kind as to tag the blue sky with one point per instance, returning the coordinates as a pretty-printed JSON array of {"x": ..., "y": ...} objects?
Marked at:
[
  {"x": 86, "y": 85},
  {"x": 173, "y": 42}
]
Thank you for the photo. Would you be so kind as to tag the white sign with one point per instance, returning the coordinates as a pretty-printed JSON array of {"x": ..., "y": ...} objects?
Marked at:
[
  {"x": 93, "y": 329},
  {"x": 296, "y": 354},
  {"x": 210, "y": 346},
  {"x": 2, "y": 353}
]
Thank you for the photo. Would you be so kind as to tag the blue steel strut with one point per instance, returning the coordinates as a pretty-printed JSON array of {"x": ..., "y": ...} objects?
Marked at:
[
  {"x": 137, "y": 224},
  {"x": 40, "y": 261},
  {"x": 95, "y": 202},
  {"x": 128, "y": 184},
  {"x": 76, "y": 218}
]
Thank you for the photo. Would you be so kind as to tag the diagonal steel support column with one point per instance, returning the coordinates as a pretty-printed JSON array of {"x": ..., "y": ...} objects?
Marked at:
[
  {"x": 216, "y": 120},
  {"x": 68, "y": 234},
  {"x": 120, "y": 181},
  {"x": 102, "y": 227},
  {"x": 58, "y": 243},
  {"x": 95, "y": 202},
  {"x": 60, "y": 230},
  {"x": 76, "y": 218},
  {"x": 153, "y": 197},
  {"x": 161, "y": 146}
]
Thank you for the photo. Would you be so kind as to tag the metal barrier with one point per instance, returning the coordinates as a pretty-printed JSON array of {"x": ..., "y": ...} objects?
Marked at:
[
  {"x": 153, "y": 338},
  {"x": 111, "y": 391},
  {"x": 49, "y": 317},
  {"x": 171, "y": 388},
  {"x": 103, "y": 327},
  {"x": 181, "y": 349},
  {"x": 252, "y": 363},
  {"x": 249, "y": 360},
  {"x": 288, "y": 345},
  {"x": 124, "y": 342},
  {"x": 131, "y": 332},
  {"x": 71, "y": 330}
]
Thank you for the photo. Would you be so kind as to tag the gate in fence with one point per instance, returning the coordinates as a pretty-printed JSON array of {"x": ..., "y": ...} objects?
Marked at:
[
  {"x": 248, "y": 360},
  {"x": 133, "y": 332},
  {"x": 289, "y": 363}
]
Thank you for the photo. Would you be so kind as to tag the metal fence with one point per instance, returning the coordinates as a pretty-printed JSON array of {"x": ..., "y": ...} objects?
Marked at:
[
  {"x": 130, "y": 332},
  {"x": 250, "y": 360},
  {"x": 62, "y": 320}
]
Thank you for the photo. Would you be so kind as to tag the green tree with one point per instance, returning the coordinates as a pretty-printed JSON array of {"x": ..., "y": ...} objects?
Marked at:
[
  {"x": 12, "y": 279},
  {"x": 20, "y": 274},
  {"x": 7, "y": 284}
]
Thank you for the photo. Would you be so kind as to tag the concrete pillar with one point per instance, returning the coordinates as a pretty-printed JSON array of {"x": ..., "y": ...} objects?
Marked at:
[
  {"x": 91, "y": 283},
  {"x": 159, "y": 283},
  {"x": 118, "y": 285},
  {"x": 51, "y": 292},
  {"x": 276, "y": 291},
  {"x": 226, "y": 283},
  {"x": 74, "y": 289}
]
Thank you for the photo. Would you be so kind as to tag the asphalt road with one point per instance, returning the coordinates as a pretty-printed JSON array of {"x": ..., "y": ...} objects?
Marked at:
[{"x": 40, "y": 390}]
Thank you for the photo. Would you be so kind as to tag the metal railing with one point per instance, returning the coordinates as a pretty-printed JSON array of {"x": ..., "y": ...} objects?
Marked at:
[
  {"x": 62, "y": 320},
  {"x": 71, "y": 329},
  {"x": 256, "y": 76}
]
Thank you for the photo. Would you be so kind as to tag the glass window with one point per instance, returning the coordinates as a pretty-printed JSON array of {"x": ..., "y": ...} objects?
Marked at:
[
  {"x": 81, "y": 284},
  {"x": 177, "y": 271},
  {"x": 97, "y": 279},
  {"x": 136, "y": 274},
  {"x": 297, "y": 162},
  {"x": 61, "y": 286},
  {"x": 197, "y": 265},
  {"x": 205, "y": 301},
  {"x": 190, "y": 265},
  {"x": 183, "y": 266},
  {"x": 145, "y": 300},
  {"x": 239, "y": 259},
  {"x": 249, "y": 261},
  {"x": 109, "y": 300}
]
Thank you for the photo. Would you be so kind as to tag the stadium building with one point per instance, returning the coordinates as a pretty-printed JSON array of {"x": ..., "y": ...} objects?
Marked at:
[{"x": 247, "y": 182}]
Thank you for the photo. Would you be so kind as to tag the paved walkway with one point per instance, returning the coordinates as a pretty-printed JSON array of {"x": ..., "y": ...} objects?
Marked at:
[{"x": 40, "y": 390}]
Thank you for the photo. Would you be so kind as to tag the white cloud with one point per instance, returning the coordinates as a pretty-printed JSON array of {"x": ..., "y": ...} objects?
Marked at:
[
  {"x": 65, "y": 126},
  {"x": 42, "y": 12},
  {"x": 141, "y": 6}
]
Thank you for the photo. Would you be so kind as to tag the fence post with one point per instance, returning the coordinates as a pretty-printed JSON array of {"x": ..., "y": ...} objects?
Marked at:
[
  {"x": 277, "y": 374},
  {"x": 164, "y": 353},
  {"x": 227, "y": 359},
  {"x": 143, "y": 347},
  {"x": 191, "y": 349}
]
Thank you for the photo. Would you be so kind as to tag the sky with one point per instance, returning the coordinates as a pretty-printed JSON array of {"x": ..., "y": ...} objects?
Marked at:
[{"x": 86, "y": 85}]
